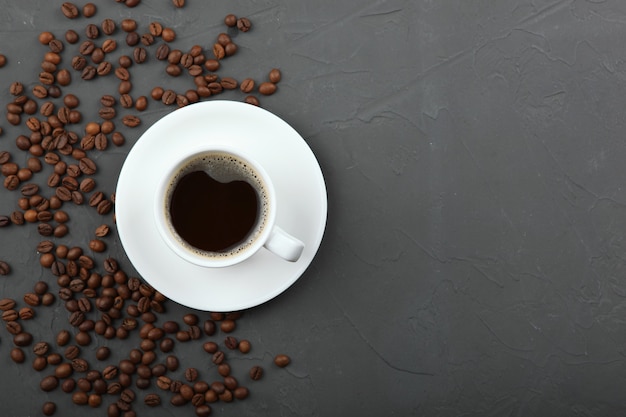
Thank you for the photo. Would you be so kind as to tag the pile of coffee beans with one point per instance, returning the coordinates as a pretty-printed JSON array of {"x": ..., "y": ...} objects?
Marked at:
[{"x": 102, "y": 301}]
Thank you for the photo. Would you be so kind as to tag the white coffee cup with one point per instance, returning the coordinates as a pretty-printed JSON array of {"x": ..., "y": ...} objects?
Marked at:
[{"x": 226, "y": 165}]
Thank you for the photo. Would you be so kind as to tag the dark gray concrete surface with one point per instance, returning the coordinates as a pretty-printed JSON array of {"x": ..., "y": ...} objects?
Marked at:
[{"x": 474, "y": 257}]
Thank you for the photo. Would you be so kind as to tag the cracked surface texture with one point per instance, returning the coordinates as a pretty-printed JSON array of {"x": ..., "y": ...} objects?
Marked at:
[{"x": 474, "y": 257}]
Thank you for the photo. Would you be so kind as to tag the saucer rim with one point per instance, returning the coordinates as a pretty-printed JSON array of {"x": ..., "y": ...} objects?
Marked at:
[{"x": 313, "y": 241}]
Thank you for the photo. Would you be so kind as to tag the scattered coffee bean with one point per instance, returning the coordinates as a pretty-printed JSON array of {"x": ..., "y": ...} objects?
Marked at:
[{"x": 70, "y": 10}]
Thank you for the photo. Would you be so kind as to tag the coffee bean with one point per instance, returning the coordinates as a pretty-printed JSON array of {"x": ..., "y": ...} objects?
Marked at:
[
  {"x": 140, "y": 55},
  {"x": 32, "y": 299},
  {"x": 108, "y": 26},
  {"x": 87, "y": 166},
  {"x": 92, "y": 31},
  {"x": 49, "y": 383},
  {"x": 131, "y": 121},
  {"x": 70, "y": 10},
  {"x": 231, "y": 343},
  {"x": 41, "y": 348},
  {"x": 152, "y": 400},
  {"x": 7, "y": 304},
  {"x": 18, "y": 355},
  {"x": 71, "y": 36},
  {"x": 104, "y": 68},
  {"x": 244, "y": 346},
  {"x": 26, "y": 313},
  {"x": 275, "y": 75},
  {"x": 252, "y": 100},
  {"x": 256, "y": 373},
  {"x": 141, "y": 103},
  {"x": 228, "y": 326},
  {"x": 228, "y": 83},
  {"x": 107, "y": 113},
  {"x": 48, "y": 408},
  {"x": 218, "y": 357},
  {"x": 168, "y": 34},
  {"x": 247, "y": 85},
  {"x": 191, "y": 374},
  {"x": 267, "y": 88},
  {"x": 281, "y": 360},
  {"x": 102, "y": 230},
  {"x": 244, "y": 24},
  {"x": 164, "y": 382},
  {"x": 169, "y": 97},
  {"x": 13, "y": 327},
  {"x": 89, "y": 73},
  {"x": 172, "y": 363}
]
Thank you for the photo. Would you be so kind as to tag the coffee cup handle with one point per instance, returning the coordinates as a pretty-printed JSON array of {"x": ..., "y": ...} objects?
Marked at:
[{"x": 284, "y": 245}]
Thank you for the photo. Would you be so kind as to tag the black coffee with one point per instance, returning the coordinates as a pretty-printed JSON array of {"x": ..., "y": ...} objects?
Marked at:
[{"x": 213, "y": 206}]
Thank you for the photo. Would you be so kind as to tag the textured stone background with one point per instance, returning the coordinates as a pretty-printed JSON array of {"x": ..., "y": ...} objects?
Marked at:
[{"x": 473, "y": 262}]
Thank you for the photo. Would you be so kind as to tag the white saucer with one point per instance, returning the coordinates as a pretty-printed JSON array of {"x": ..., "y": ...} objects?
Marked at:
[{"x": 300, "y": 193}]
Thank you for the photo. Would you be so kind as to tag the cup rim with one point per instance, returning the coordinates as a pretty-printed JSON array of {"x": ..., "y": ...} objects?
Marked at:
[{"x": 166, "y": 233}]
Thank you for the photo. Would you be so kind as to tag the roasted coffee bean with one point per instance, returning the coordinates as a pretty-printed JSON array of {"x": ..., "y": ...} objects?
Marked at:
[
  {"x": 275, "y": 75},
  {"x": 89, "y": 10},
  {"x": 108, "y": 26},
  {"x": 13, "y": 327},
  {"x": 107, "y": 113},
  {"x": 32, "y": 299},
  {"x": 247, "y": 85},
  {"x": 244, "y": 346},
  {"x": 126, "y": 101},
  {"x": 162, "y": 52},
  {"x": 231, "y": 49},
  {"x": 7, "y": 304},
  {"x": 92, "y": 31},
  {"x": 102, "y": 230},
  {"x": 40, "y": 363},
  {"x": 252, "y": 100},
  {"x": 191, "y": 374},
  {"x": 228, "y": 325},
  {"x": 256, "y": 373},
  {"x": 122, "y": 74},
  {"x": 147, "y": 39},
  {"x": 63, "y": 337},
  {"x": 104, "y": 68},
  {"x": 228, "y": 83},
  {"x": 168, "y": 97},
  {"x": 71, "y": 36},
  {"x": 218, "y": 51},
  {"x": 218, "y": 357},
  {"x": 172, "y": 363},
  {"x": 244, "y": 24},
  {"x": 141, "y": 103},
  {"x": 267, "y": 88},
  {"x": 103, "y": 353},
  {"x": 87, "y": 166},
  {"x": 110, "y": 372},
  {"x": 131, "y": 121},
  {"x": 4, "y": 221},
  {"x": 152, "y": 400},
  {"x": 230, "y": 20},
  {"x": 49, "y": 408},
  {"x": 281, "y": 360},
  {"x": 89, "y": 72},
  {"x": 231, "y": 343},
  {"x": 79, "y": 365},
  {"x": 86, "y": 48},
  {"x": 18, "y": 355},
  {"x": 26, "y": 313},
  {"x": 164, "y": 382},
  {"x": 41, "y": 348},
  {"x": 168, "y": 34},
  {"x": 70, "y": 10},
  {"x": 49, "y": 383}
]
